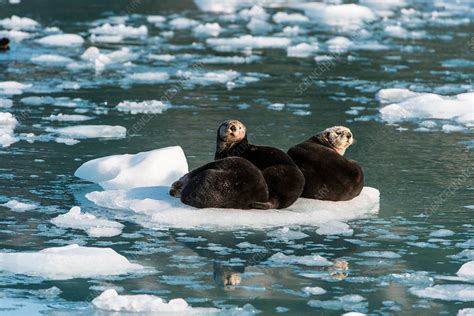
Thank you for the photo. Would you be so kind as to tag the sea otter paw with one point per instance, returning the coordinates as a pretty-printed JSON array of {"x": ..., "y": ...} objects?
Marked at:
[{"x": 261, "y": 205}]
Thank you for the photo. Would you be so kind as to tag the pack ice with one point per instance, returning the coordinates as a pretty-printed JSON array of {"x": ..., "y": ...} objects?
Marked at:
[
  {"x": 68, "y": 262},
  {"x": 140, "y": 184}
]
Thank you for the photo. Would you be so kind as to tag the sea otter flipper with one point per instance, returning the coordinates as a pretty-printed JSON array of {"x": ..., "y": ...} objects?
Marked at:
[{"x": 262, "y": 205}]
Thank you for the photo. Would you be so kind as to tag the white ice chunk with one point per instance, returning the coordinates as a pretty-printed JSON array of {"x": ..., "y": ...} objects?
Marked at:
[
  {"x": 316, "y": 290},
  {"x": 335, "y": 228},
  {"x": 310, "y": 260},
  {"x": 69, "y": 117},
  {"x": 6, "y": 103},
  {"x": 255, "y": 12},
  {"x": 68, "y": 262},
  {"x": 302, "y": 50},
  {"x": 91, "y": 131},
  {"x": 230, "y": 60},
  {"x": 207, "y": 30},
  {"x": 467, "y": 270},
  {"x": 51, "y": 59},
  {"x": 209, "y": 78},
  {"x": 13, "y": 87},
  {"x": 156, "y": 19},
  {"x": 348, "y": 302},
  {"x": 342, "y": 15},
  {"x": 7, "y": 125},
  {"x": 259, "y": 27},
  {"x": 151, "y": 106},
  {"x": 380, "y": 254},
  {"x": 120, "y": 30},
  {"x": 61, "y": 40},
  {"x": 93, "y": 226},
  {"x": 283, "y": 17},
  {"x": 339, "y": 44},
  {"x": 148, "y": 77},
  {"x": 442, "y": 233},
  {"x": 14, "y": 35},
  {"x": 247, "y": 42},
  {"x": 285, "y": 233},
  {"x": 18, "y": 206},
  {"x": 160, "y": 167},
  {"x": 228, "y": 6},
  {"x": 466, "y": 312},
  {"x": 144, "y": 303},
  {"x": 19, "y": 23},
  {"x": 181, "y": 23},
  {"x": 446, "y": 292}
]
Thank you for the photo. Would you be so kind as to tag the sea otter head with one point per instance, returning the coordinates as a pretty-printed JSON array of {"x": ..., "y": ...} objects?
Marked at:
[
  {"x": 336, "y": 137},
  {"x": 230, "y": 133},
  {"x": 4, "y": 43}
]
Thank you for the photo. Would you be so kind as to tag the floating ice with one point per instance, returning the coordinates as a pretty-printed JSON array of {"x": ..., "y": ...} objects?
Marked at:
[
  {"x": 259, "y": 27},
  {"x": 458, "y": 63},
  {"x": 230, "y": 60},
  {"x": 7, "y": 125},
  {"x": 69, "y": 117},
  {"x": 156, "y": 19},
  {"x": 18, "y": 206},
  {"x": 446, "y": 292},
  {"x": 229, "y": 6},
  {"x": 311, "y": 261},
  {"x": 409, "y": 106},
  {"x": 255, "y": 12},
  {"x": 399, "y": 32},
  {"x": 347, "y": 302},
  {"x": 283, "y": 17},
  {"x": 208, "y": 78},
  {"x": 285, "y": 233},
  {"x": 316, "y": 290},
  {"x": 112, "y": 301},
  {"x": 339, "y": 44},
  {"x": 466, "y": 312},
  {"x": 14, "y": 35},
  {"x": 5, "y": 103},
  {"x": 13, "y": 87},
  {"x": 335, "y": 228},
  {"x": 152, "y": 106},
  {"x": 96, "y": 59},
  {"x": 93, "y": 226},
  {"x": 302, "y": 50},
  {"x": 61, "y": 40},
  {"x": 160, "y": 167},
  {"x": 91, "y": 131},
  {"x": 442, "y": 233},
  {"x": 19, "y": 23},
  {"x": 121, "y": 30},
  {"x": 68, "y": 262},
  {"x": 207, "y": 30},
  {"x": 51, "y": 59},
  {"x": 161, "y": 210},
  {"x": 467, "y": 270},
  {"x": 380, "y": 254},
  {"x": 182, "y": 23},
  {"x": 247, "y": 42},
  {"x": 148, "y": 77},
  {"x": 343, "y": 15}
]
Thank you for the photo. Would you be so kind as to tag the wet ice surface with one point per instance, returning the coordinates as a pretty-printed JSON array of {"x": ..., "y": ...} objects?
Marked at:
[{"x": 103, "y": 83}]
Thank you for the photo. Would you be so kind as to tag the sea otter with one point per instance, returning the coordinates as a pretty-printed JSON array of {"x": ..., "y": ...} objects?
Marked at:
[
  {"x": 329, "y": 176},
  {"x": 284, "y": 180},
  {"x": 225, "y": 183},
  {"x": 4, "y": 42}
]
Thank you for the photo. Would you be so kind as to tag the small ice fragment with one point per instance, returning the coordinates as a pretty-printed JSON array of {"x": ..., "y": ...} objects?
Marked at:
[{"x": 18, "y": 206}]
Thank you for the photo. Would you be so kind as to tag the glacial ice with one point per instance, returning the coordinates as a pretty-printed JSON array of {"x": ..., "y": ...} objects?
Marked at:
[
  {"x": 13, "y": 87},
  {"x": 91, "y": 131},
  {"x": 15, "y": 36},
  {"x": 150, "y": 106},
  {"x": 349, "y": 302},
  {"x": 120, "y": 30},
  {"x": 6, "y": 103},
  {"x": 148, "y": 77},
  {"x": 61, "y": 40},
  {"x": 380, "y": 254},
  {"x": 302, "y": 50},
  {"x": 159, "y": 167},
  {"x": 446, "y": 292},
  {"x": 309, "y": 260},
  {"x": 52, "y": 60},
  {"x": 247, "y": 42},
  {"x": 68, "y": 262},
  {"x": 93, "y": 226},
  {"x": 17, "y": 206},
  {"x": 467, "y": 271},
  {"x": 69, "y": 117},
  {"x": 18, "y": 23},
  {"x": 207, "y": 30},
  {"x": 181, "y": 23},
  {"x": 7, "y": 125},
  {"x": 143, "y": 303},
  {"x": 293, "y": 18},
  {"x": 335, "y": 228}
]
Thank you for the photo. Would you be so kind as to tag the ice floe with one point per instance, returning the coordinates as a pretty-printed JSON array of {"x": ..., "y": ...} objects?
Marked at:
[
  {"x": 466, "y": 312},
  {"x": 6, "y": 103},
  {"x": 442, "y": 233},
  {"x": 285, "y": 233},
  {"x": 160, "y": 167},
  {"x": 380, "y": 254},
  {"x": 316, "y": 290},
  {"x": 446, "y": 292},
  {"x": 310, "y": 260},
  {"x": 148, "y": 77},
  {"x": 283, "y": 17},
  {"x": 7, "y": 125},
  {"x": 13, "y": 87},
  {"x": 61, "y": 40},
  {"x": 302, "y": 50},
  {"x": 151, "y": 106},
  {"x": 18, "y": 23},
  {"x": 120, "y": 30},
  {"x": 91, "y": 131},
  {"x": 335, "y": 228},
  {"x": 182, "y": 23},
  {"x": 412, "y": 106},
  {"x": 69, "y": 117},
  {"x": 207, "y": 30},
  {"x": 247, "y": 42},
  {"x": 93, "y": 226},
  {"x": 15, "y": 36},
  {"x": 51, "y": 59},
  {"x": 143, "y": 303},
  {"x": 467, "y": 271},
  {"x": 68, "y": 262},
  {"x": 18, "y": 206},
  {"x": 349, "y": 302}
]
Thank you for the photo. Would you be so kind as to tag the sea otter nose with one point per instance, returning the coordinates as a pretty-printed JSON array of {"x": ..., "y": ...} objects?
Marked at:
[
  {"x": 349, "y": 135},
  {"x": 233, "y": 128}
]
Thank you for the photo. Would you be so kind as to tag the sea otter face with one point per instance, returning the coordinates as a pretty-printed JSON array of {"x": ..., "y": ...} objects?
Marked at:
[
  {"x": 337, "y": 137},
  {"x": 231, "y": 131}
]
